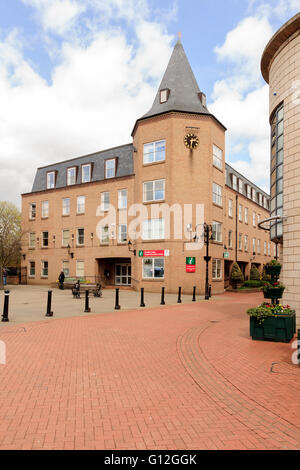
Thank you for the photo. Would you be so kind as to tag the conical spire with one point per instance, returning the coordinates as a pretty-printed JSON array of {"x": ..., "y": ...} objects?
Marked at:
[{"x": 181, "y": 85}]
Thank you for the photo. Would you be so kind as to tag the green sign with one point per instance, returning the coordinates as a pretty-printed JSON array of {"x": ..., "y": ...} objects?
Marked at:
[
  {"x": 141, "y": 253},
  {"x": 190, "y": 260},
  {"x": 226, "y": 254}
]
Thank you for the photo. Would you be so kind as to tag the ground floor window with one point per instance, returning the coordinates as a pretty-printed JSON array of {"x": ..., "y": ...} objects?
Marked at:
[
  {"x": 217, "y": 269},
  {"x": 44, "y": 268},
  {"x": 123, "y": 274},
  {"x": 153, "y": 268},
  {"x": 31, "y": 268},
  {"x": 79, "y": 268},
  {"x": 66, "y": 268}
]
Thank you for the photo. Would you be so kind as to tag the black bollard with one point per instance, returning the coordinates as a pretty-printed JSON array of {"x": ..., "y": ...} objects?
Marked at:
[
  {"x": 179, "y": 295},
  {"x": 49, "y": 313},
  {"x": 209, "y": 290},
  {"x": 117, "y": 306},
  {"x": 142, "y": 298},
  {"x": 5, "y": 306},
  {"x": 162, "y": 296},
  {"x": 87, "y": 308},
  {"x": 194, "y": 294}
]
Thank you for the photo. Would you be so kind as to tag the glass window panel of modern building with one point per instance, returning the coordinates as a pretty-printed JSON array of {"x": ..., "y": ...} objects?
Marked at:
[{"x": 277, "y": 171}]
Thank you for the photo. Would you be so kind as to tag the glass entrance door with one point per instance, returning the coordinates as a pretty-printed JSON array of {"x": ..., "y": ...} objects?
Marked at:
[{"x": 123, "y": 274}]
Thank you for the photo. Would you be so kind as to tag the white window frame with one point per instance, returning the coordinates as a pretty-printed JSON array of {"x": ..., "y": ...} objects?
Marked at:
[
  {"x": 156, "y": 155},
  {"x": 71, "y": 178},
  {"x": 122, "y": 229},
  {"x": 32, "y": 211},
  {"x": 240, "y": 213},
  {"x": 43, "y": 239},
  {"x": 230, "y": 239},
  {"x": 216, "y": 269},
  {"x": 254, "y": 245},
  {"x": 230, "y": 207},
  {"x": 241, "y": 186},
  {"x": 80, "y": 270},
  {"x": 122, "y": 198},
  {"x": 258, "y": 246},
  {"x": 78, "y": 237},
  {"x": 45, "y": 209},
  {"x": 110, "y": 170},
  {"x": 32, "y": 240},
  {"x": 65, "y": 230},
  {"x": 51, "y": 180},
  {"x": 105, "y": 201},
  {"x": 29, "y": 270},
  {"x": 254, "y": 219},
  {"x": 217, "y": 231},
  {"x": 154, "y": 183},
  {"x": 217, "y": 157},
  {"x": 153, "y": 262},
  {"x": 153, "y": 229},
  {"x": 65, "y": 270},
  {"x": 234, "y": 181},
  {"x": 104, "y": 240},
  {"x": 86, "y": 178},
  {"x": 249, "y": 191},
  {"x": 253, "y": 195},
  {"x": 265, "y": 248},
  {"x": 240, "y": 241},
  {"x": 43, "y": 268},
  {"x": 66, "y": 207},
  {"x": 245, "y": 242},
  {"x": 80, "y": 204},
  {"x": 246, "y": 215},
  {"x": 217, "y": 194}
]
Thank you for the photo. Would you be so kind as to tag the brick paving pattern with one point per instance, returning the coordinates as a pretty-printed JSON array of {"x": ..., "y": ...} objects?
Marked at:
[{"x": 178, "y": 377}]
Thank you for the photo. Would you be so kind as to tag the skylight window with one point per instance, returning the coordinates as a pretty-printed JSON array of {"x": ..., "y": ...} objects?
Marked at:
[{"x": 164, "y": 95}]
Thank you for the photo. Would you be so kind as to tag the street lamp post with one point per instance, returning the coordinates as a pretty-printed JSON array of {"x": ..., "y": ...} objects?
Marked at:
[{"x": 207, "y": 237}]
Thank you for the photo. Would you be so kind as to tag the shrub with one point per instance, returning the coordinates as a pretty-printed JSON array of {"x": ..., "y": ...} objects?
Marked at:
[
  {"x": 253, "y": 283},
  {"x": 254, "y": 273},
  {"x": 236, "y": 274}
]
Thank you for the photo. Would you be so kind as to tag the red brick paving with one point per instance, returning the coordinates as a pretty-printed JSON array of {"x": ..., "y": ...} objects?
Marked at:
[{"x": 183, "y": 377}]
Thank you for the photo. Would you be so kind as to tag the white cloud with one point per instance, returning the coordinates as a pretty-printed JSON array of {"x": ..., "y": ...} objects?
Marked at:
[{"x": 97, "y": 91}]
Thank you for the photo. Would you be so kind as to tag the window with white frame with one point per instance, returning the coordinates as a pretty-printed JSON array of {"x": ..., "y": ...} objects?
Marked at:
[
  {"x": 105, "y": 201},
  {"x": 240, "y": 213},
  {"x": 230, "y": 239},
  {"x": 32, "y": 211},
  {"x": 45, "y": 267},
  {"x": 154, "y": 229},
  {"x": 265, "y": 248},
  {"x": 230, "y": 207},
  {"x": 241, "y": 186},
  {"x": 80, "y": 204},
  {"x": 154, "y": 190},
  {"x": 66, "y": 206},
  {"x": 254, "y": 245},
  {"x": 253, "y": 195},
  {"x": 258, "y": 218},
  {"x": 248, "y": 191},
  {"x": 217, "y": 157},
  {"x": 154, "y": 152},
  {"x": 110, "y": 168},
  {"x": 246, "y": 215},
  {"x": 71, "y": 175},
  {"x": 254, "y": 218},
  {"x": 79, "y": 268},
  {"x": 86, "y": 173},
  {"x": 50, "y": 179},
  {"x": 80, "y": 236},
  {"x": 45, "y": 239},
  {"x": 240, "y": 241},
  {"x": 164, "y": 95},
  {"x": 217, "y": 194},
  {"x": 269, "y": 249},
  {"x": 104, "y": 240},
  {"x": 31, "y": 268},
  {"x": 122, "y": 199},
  {"x": 65, "y": 237},
  {"x": 258, "y": 246},
  {"x": 246, "y": 243},
  {"x": 45, "y": 209},
  {"x": 217, "y": 231},
  {"x": 66, "y": 268},
  {"x": 153, "y": 268},
  {"x": 260, "y": 199},
  {"x": 216, "y": 269},
  {"x": 234, "y": 181},
  {"x": 32, "y": 240},
  {"x": 122, "y": 233}
]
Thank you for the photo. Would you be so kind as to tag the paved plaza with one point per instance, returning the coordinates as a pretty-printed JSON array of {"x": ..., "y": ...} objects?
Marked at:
[{"x": 182, "y": 376}]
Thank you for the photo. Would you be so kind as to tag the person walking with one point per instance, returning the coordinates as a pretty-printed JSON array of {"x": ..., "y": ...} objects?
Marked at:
[
  {"x": 61, "y": 280},
  {"x": 4, "y": 276}
]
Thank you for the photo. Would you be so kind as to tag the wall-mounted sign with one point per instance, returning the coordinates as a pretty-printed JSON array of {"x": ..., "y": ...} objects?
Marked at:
[
  {"x": 190, "y": 264},
  {"x": 226, "y": 254},
  {"x": 152, "y": 253}
]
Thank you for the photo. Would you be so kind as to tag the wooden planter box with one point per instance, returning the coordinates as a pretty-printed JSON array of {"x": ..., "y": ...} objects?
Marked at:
[
  {"x": 273, "y": 293},
  {"x": 280, "y": 328}
]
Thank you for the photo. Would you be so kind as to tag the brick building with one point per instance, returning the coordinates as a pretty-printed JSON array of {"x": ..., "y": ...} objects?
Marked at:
[
  {"x": 133, "y": 215},
  {"x": 280, "y": 66}
]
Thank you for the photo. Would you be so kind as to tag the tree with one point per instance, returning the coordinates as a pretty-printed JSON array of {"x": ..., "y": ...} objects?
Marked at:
[
  {"x": 236, "y": 275},
  {"x": 10, "y": 236},
  {"x": 254, "y": 273}
]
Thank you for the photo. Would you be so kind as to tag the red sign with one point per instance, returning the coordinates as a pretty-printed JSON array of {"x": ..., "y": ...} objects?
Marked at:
[
  {"x": 150, "y": 253},
  {"x": 190, "y": 268}
]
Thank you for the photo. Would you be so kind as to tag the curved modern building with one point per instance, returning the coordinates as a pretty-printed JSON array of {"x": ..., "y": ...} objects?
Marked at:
[{"x": 280, "y": 66}]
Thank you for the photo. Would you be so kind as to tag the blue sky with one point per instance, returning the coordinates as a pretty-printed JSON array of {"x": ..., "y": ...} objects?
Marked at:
[{"x": 76, "y": 74}]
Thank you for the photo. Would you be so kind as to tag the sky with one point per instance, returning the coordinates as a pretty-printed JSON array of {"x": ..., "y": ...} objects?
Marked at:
[{"x": 76, "y": 74}]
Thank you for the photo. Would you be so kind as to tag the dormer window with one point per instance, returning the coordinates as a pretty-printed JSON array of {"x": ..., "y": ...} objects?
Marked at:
[
  {"x": 110, "y": 168},
  {"x": 71, "y": 176},
  {"x": 86, "y": 173},
  {"x": 164, "y": 95},
  {"x": 50, "y": 179}
]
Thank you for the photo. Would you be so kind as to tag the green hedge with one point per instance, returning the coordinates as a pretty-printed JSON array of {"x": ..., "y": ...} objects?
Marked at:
[{"x": 253, "y": 283}]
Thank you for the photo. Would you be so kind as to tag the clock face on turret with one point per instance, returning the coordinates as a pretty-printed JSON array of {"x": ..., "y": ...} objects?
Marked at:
[{"x": 191, "y": 141}]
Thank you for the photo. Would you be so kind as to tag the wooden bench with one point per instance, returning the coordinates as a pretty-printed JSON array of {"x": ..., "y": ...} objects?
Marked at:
[{"x": 94, "y": 289}]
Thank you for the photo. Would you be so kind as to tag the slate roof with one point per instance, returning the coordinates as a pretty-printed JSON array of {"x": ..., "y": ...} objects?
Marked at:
[
  {"x": 228, "y": 182},
  {"x": 123, "y": 153}
]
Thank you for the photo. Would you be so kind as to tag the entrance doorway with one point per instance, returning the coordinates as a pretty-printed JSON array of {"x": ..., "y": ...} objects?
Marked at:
[{"x": 123, "y": 274}]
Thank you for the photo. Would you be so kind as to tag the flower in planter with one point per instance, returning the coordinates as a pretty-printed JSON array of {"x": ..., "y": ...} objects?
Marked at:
[{"x": 266, "y": 310}]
